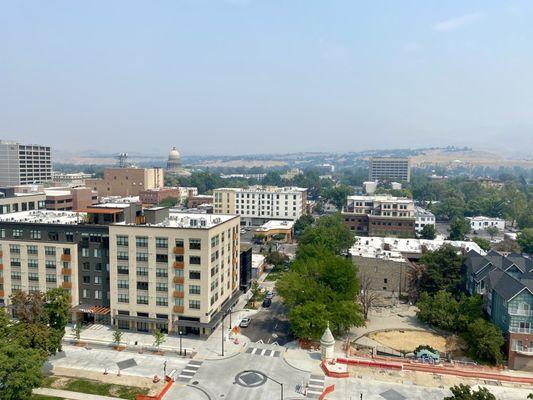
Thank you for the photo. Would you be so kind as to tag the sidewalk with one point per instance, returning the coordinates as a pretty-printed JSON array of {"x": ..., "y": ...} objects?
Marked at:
[{"x": 65, "y": 394}]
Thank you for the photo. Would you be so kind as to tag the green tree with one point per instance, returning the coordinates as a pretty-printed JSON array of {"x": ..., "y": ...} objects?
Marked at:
[
  {"x": 516, "y": 202},
  {"x": 329, "y": 232},
  {"x": 525, "y": 240},
  {"x": 492, "y": 231},
  {"x": 428, "y": 232},
  {"x": 77, "y": 331},
  {"x": 485, "y": 341},
  {"x": 117, "y": 335},
  {"x": 301, "y": 223},
  {"x": 169, "y": 202},
  {"x": 465, "y": 392},
  {"x": 276, "y": 258},
  {"x": 20, "y": 370},
  {"x": 483, "y": 243},
  {"x": 309, "y": 320},
  {"x": 459, "y": 228},
  {"x": 442, "y": 270},
  {"x": 337, "y": 195},
  {"x": 159, "y": 338}
]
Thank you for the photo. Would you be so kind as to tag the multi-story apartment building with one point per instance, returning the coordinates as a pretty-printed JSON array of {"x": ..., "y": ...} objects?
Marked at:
[
  {"x": 24, "y": 164},
  {"x": 506, "y": 284},
  {"x": 259, "y": 204},
  {"x": 380, "y": 216},
  {"x": 157, "y": 195},
  {"x": 175, "y": 271},
  {"x": 44, "y": 249},
  {"x": 126, "y": 181},
  {"x": 14, "y": 200},
  {"x": 481, "y": 223},
  {"x": 389, "y": 168}
]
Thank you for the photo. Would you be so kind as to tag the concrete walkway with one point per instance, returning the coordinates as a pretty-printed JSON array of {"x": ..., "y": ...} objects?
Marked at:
[{"x": 65, "y": 394}]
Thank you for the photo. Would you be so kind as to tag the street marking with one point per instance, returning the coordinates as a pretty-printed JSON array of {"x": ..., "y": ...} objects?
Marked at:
[{"x": 263, "y": 352}]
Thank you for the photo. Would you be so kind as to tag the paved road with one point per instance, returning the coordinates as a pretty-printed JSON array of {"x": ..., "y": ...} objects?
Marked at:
[{"x": 269, "y": 321}]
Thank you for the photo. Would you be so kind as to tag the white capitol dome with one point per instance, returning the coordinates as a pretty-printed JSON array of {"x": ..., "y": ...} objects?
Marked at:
[
  {"x": 174, "y": 159},
  {"x": 174, "y": 154}
]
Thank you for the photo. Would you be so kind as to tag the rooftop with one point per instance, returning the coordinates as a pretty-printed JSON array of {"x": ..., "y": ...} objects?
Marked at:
[
  {"x": 380, "y": 198},
  {"x": 44, "y": 217},
  {"x": 482, "y": 218},
  {"x": 392, "y": 248},
  {"x": 275, "y": 224},
  {"x": 267, "y": 189},
  {"x": 422, "y": 212},
  {"x": 119, "y": 200},
  {"x": 178, "y": 219}
]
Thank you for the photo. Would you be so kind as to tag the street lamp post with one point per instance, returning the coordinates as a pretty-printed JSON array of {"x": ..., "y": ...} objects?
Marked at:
[
  {"x": 222, "y": 330},
  {"x": 181, "y": 342}
]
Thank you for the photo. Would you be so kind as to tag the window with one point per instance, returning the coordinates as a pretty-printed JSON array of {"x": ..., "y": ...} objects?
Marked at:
[
  {"x": 123, "y": 298},
  {"x": 122, "y": 269},
  {"x": 178, "y": 287},
  {"x": 33, "y": 276},
  {"x": 85, "y": 252},
  {"x": 15, "y": 262},
  {"x": 98, "y": 280},
  {"x": 178, "y": 302},
  {"x": 161, "y": 287},
  {"x": 33, "y": 263},
  {"x": 85, "y": 293},
  {"x": 142, "y": 256},
  {"x": 179, "y": 257},
  {"x": 122, "y": 255},
  {"x": 86, "y": 279},
  {"x": 35, "y": 235},
  {"x": 15, "y": 275},
  {"x": 195, "y": 260},
  {"x": 142, "y": 299},
  {"x": 195, "y": 244},
  {"x": 51, "y": 278},
  {"x": 194, "y": 275},
  {"x": 141, "y": 241},
  {"x": 32, "y": 249},
  {"x": 194, "y": 304},
  {"x": 69, "y": 236},
  {"x": 142, "y": 285},
  {"x": 50, "y": 264},
  {"x": 49, "y": 251},
  {"x": 122, "y": 240},
  {"x": 194, "y": 289},
  {"x": 161, "y": 301},
  {"x": 17, "y": 233},
  {"x": 179, "y": 242},
  {"x": 179, "y": 273},
  {"x": 14, "y": 248},
  {"x": 161, "y": 243},
  {"x": 161, "y": 272},
  {"x": 142, "y": 271},
  {"x": 97, "y": 294},
  {"x": 123, "y": 284}
]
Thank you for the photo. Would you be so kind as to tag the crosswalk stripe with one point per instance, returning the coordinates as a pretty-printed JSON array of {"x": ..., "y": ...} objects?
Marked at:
[
  {"x": 189, "y": 370},
  {"x": 316, "y": 380},
  {"x": 313, "y": 392},
  {"x": 315, "y": 386},
  {"x": 195, "y": 362},
  {"x": 193, "y": 366},
  {"x": 263, "y": 352}
]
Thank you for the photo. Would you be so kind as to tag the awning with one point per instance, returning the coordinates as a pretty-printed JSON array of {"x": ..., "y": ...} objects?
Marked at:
[
  {"x": 97, "y": 310},
  {"x": 141, "y": 319}
]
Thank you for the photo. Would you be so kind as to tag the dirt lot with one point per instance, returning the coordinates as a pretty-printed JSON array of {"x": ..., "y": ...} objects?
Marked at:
[{"x": 403, "y": 340}]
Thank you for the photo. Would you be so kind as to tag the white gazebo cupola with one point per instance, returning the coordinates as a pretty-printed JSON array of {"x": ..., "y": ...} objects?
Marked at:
[{"x": 327, "y": 345}]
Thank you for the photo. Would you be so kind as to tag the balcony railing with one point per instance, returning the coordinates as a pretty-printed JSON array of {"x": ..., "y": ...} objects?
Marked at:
[
  {"x": 179, "y": 264},
  {"x": 178, "y": 295},
  {"x": 66, "y": 285},
  {"x": 523, "y": 350},
  {"x": 179, "y": 279},
  {"x": 66, "y": 271},
  {"x": 178, "y": 250},
  {"x": 65, "y": 257},
  {"x": 525, "y": 313},
  {"x": 179, "y": 309},
  {"x": 521, "y": 330}
]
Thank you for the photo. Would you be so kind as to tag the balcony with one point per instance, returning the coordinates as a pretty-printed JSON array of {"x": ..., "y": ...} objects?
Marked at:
[
  {"x": 178, "y": 295},
  {"x": 1, "y": 279},
  {"x": 523, "y": 313},
  {"x": 66, "y": 285},
  {"x": 66, "y": 271},
  {"x": 179, "y": 264},
  {"x": 178, "y": 250},
  {"x": 179, "y": 279},
  {"x": 179, "y": 309},
  {"x": 523, "y": 350},
  {"x": 521, "y": 330},
  {"x": 2, "y": 294},
  {"x": 1, "y": 266},
  {"x": 66, "y": 257}
]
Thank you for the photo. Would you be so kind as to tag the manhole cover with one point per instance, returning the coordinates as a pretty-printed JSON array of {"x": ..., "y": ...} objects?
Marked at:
[
  {"x": 195, "y": 383},
  {"x": 250, "y": 379}
]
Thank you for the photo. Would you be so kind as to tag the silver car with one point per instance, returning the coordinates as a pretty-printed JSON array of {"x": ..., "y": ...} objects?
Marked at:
[{"x": 245, "y": 322}]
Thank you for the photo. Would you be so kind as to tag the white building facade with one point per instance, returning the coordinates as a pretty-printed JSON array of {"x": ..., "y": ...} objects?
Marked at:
[
  {"x": 481, "y": 223},
  {"x": 423, "y": 217}
]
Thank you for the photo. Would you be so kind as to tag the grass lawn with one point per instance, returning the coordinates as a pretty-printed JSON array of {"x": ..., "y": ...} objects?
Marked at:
[{"x": 94, "y": 387}]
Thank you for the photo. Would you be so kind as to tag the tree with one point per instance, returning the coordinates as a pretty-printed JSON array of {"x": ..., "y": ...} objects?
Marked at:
[
  {"x": 20, "y": 370},
  {"x": 525, "y": 240},
  {"x": 368, "y": 297},
  {"x": 276, "y": 258},
  {"x": 117, "y": 335},
  {"x": 329, "y": 232},
  {"x": 492, "y": 231},
  {"x": 28, "y": 307},
  {"x": 465, "y": 392},
  {"x": 169, "y": 202},
  {"x": 159, "y": 338},
  {"x": 485, "y": 341},
  {"x": 428, "y": 232},
  {"x": 442, "y": 270},
  {"x": 303, "y": 222},
  {"x": 459, "y": 228},
  {"x": 337, "y": 195},
  {"x": 77, "y": 331},
  {"x": 309, "y": 320},
  {"x": 483, "y": 243}
]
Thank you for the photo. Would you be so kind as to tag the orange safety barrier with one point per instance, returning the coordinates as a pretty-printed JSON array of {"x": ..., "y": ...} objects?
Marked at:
[
  {"x": 333, "y": 374},
  {"x": 160, "y": 395},
  {"x": 327, "y": 391},
  {"x": 375, "y": 364}
]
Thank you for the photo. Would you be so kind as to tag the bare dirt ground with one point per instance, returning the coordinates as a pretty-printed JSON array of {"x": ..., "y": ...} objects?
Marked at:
[{"x": 403, "y": 340}]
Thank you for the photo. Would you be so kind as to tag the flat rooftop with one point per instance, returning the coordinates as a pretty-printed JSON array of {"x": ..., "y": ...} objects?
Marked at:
[
  {"x": 266, "y": 189},
  {"x": 178, "y": 219},
  {"x": 482, "y": 218},
  {"x": 275, "y": 224},
  {"x": 380, "y": 198},
  {"x": 44, "y": 217}
]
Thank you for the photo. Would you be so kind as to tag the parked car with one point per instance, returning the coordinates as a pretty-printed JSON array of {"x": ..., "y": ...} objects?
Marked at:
[
  {"x": 267, "y": 302},
  {"x": 245, "y": 322}
]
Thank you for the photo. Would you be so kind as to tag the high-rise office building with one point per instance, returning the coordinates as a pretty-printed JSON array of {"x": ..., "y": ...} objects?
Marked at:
[
  {"x": 389, "y": 168},
  {"x": 22, "y": 164}
]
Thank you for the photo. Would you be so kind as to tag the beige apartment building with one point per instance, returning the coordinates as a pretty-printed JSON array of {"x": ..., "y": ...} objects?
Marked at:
[
  {"x": 13, "y": 201},
  {"x": 258, "y": 204},
  {"x": 126, "y": 181},
  {"x": 70, "y": 199},
  {"x": 174, "y": 272}
]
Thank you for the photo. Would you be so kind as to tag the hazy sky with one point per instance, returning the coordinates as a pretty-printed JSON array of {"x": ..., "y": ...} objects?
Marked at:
[{"x": 256, "y": 76}]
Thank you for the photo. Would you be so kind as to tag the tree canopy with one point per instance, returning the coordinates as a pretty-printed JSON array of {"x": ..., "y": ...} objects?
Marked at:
[
  {"x": 442, "y": 270},
  {"x": 525, "y": 240},
  {"x": 328, "y": 231},
  {"x": 465, "y": 392}
]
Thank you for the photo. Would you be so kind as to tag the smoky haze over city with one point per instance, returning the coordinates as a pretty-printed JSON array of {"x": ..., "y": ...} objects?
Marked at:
[{"x": 222, "y": 76}]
